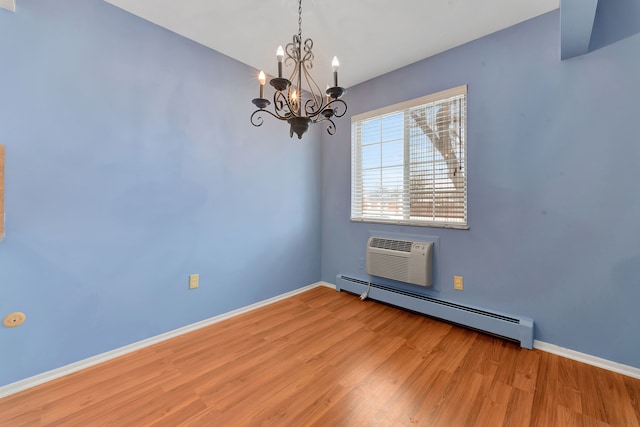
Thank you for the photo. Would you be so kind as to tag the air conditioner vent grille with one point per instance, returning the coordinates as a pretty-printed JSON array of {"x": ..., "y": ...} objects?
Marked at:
[{"x": 391, "y": 244}]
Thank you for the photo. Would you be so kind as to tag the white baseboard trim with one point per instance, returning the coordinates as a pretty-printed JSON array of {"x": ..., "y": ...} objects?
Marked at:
[
  {"x": 21, "y": 385},
  {"x": 627, "y": 370},
  {"x": 27, "y": 383}
]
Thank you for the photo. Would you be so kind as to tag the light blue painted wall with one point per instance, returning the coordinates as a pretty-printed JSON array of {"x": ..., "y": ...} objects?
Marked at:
[
  {"x": 615, "y": 20},
  {"x": 131, "y": 163},
  {"x": 554, "y": 167},
  {"x": 576, "y": 25}
]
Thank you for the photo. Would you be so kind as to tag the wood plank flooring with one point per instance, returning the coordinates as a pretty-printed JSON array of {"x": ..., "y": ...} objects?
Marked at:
[{"x": 326, "y": 358}]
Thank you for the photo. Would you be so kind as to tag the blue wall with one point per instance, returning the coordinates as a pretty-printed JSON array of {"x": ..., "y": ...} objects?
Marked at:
[
  {"x": 615, "y": 20},
  {"x": 554, "y": 167},
  {"x": 130, "y": 164}
]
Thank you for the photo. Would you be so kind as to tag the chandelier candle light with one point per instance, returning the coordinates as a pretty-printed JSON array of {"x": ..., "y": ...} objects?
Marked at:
[{"x": 288, "y": 97}]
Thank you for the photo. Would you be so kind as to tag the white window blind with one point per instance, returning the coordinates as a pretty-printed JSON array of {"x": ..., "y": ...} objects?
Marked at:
[{"x": 409, "y": 162}]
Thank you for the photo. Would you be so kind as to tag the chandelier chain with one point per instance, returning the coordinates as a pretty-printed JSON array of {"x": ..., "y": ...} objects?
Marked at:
[{"x": 300, "y": 20}]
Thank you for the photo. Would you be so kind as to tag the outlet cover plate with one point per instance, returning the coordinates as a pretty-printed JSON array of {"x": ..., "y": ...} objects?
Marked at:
[{"x": 194, "y": 281}]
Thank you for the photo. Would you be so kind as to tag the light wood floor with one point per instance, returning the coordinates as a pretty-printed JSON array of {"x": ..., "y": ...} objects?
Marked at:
[{"x": 328, "y": 359}]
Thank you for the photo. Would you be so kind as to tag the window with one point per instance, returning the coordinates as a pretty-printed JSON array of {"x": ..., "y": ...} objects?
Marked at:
[{"x": 409, "y": 162}]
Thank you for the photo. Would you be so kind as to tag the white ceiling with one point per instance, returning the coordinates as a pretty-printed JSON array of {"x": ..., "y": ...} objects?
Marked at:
[
  {"x": 370, "y": 37},
  {"x": 8, "y": 4}
]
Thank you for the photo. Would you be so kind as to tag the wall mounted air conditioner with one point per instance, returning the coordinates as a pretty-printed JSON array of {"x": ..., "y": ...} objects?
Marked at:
[{"x": 402, "y": 260}]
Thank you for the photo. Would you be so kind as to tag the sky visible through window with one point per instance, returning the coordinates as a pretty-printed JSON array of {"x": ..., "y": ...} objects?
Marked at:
[{"x": 383, "y": 163}]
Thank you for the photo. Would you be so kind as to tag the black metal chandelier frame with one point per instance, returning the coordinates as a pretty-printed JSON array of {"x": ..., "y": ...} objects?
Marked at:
[{"x": 288, "y": 97}]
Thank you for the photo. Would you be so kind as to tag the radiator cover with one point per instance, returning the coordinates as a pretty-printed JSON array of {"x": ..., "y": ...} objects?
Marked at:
[{"x": 511, "y": 327}]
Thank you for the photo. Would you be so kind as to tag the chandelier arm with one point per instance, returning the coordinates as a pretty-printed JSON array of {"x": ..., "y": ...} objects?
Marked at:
[
  {"x": 257, "y": 120},
  {"x": 316, "y": 94},
  {"x": 282, "y": 106},
  {"x": 293, "y": 53},
  {"x": 308, "y": 57},
  {"x": 331, "y": 127},
  {"x": 336, "y": 112},
  {"x": 312, "y": 108},
  {"x": 280, "y": 101}
]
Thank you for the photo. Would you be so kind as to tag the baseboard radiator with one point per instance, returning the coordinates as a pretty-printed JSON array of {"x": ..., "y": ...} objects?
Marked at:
[{"x": 509, "y": 327}]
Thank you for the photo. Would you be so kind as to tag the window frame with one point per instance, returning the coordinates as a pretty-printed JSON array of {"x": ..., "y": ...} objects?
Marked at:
[{"x": 357, "y": 161}]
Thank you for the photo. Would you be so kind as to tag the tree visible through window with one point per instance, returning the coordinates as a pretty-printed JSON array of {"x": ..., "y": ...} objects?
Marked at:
[{"x": 408, "y": 162}]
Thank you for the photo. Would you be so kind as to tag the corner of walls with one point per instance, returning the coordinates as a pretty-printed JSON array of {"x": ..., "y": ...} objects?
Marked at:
[
  {"x": 132, "y": 165},
  {"x": 62, "y": 371}
]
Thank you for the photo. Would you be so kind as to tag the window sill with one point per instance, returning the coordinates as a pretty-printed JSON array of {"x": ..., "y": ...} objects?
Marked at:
[{"x": 412, "y": 223}]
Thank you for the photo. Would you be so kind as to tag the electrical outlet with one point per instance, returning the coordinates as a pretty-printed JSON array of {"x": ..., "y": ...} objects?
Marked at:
[
  {"x": 458, "y": 283},
  {"x": 194, "y": 281}
]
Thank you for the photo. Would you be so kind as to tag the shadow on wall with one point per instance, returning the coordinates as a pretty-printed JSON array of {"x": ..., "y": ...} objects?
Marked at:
[{"x": 615, "y": 20}]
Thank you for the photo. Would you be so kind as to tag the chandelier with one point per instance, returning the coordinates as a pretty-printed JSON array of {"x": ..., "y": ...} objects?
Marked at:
[{"x": 289, "y": 103}]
